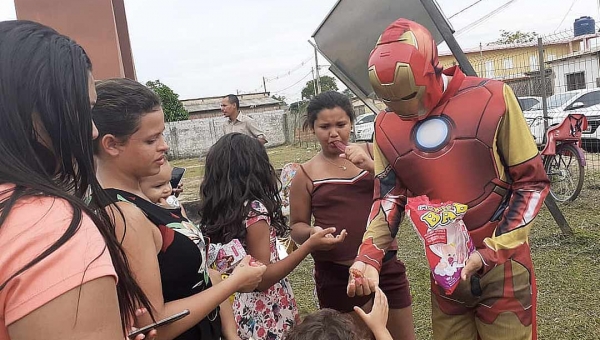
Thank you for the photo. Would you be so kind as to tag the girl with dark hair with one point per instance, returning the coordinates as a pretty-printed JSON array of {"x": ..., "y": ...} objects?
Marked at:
[
  {"x": 167, "y": 253},
  {"x": 335, "y": 188},
  {"x": 59, "y": 261},
  {"x": 240, "y": 200}
]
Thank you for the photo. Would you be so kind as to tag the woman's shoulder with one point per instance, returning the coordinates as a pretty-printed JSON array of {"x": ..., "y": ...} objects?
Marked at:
[{"x": 35, "y": 224}]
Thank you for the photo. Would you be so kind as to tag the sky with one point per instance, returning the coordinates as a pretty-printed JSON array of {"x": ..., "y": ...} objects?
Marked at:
[{"x": 203, "y": 48}]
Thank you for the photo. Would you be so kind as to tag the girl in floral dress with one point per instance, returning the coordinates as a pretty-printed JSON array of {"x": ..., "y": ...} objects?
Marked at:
[{"x": 240, "y": 200}]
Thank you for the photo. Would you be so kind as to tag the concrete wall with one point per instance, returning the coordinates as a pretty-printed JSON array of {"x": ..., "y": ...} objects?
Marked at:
[
  {"x": 587, "y": 64},
  {"x": 193, "y": 138}
]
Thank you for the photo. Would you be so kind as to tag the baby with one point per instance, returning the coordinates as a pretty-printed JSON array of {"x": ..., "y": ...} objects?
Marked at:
[{"x": 158, "y": 188}]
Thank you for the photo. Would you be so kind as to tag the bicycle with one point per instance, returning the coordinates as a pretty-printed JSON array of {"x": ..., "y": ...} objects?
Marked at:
[{"x": 563, "y": 157}]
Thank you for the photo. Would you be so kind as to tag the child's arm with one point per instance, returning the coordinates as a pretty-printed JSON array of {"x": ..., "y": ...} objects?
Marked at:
[
  {"x": 228, "y": 325},
  {"x": 301, "y": 201},
  {"x": 377, "y": 319},
  {"x": 258, "y": 245}
]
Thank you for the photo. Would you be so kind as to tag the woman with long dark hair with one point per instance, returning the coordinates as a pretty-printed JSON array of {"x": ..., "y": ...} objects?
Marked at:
[
  {"x": 167, "y": 253},
  {"x": 59, "y": 260}
]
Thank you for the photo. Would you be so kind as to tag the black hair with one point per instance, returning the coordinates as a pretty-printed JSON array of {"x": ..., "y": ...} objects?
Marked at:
[
  {"x": 44, "y": 78},
  {"x": 327, "y": 100},
  {"x": 325, "y": 324},
  {"x": 120, "y": 106},
  {"x": 237, "y": 172},
  {"x": 233, "y": 99}
]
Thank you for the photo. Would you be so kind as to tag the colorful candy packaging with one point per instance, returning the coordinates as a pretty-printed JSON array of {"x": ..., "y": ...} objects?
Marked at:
[
  {"x": 445, "y": 237},
  {"x": 224, "y": 257}
]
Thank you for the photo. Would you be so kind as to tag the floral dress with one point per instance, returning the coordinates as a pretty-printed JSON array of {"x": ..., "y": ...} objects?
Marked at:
[{"x": 269, "y": 314}]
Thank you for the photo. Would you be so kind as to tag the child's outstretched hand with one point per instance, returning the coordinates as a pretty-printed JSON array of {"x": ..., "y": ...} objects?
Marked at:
[
  {"x": 248, "y": 274},
  {"x": 323, "y": 239},
  {"x": 376, "y": 320}
]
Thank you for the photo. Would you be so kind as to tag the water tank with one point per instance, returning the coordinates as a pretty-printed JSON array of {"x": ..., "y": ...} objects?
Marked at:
[{"x": 584, "y": 25}]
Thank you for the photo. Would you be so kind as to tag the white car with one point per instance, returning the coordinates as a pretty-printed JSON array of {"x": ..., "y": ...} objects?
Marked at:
[
  {"x": 364, "y": 127},
  {"x": 560, "y": 105},
  {"x": 527, "y": 103}
]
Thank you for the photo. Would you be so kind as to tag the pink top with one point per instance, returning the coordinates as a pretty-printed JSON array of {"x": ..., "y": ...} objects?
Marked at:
[{"x": 33, "y": 225}]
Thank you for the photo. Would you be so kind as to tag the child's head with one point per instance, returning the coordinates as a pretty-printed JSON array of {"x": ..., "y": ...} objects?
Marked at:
[
  {"x": 330, "y": 115},
  {"x": 158, "y": 186},
  {"x": 237, "y": 171},
  {"x": 325, "y": 324}
]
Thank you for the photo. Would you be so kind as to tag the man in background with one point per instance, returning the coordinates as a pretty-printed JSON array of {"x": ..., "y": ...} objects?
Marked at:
[{"x": 238, "y": 122}]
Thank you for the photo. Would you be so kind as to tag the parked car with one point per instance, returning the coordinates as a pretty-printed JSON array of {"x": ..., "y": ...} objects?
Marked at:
[
  {"x": 527, "y": 103},
  {"x": 585, "y": 101},
  {"x": 364, "y": 127}
]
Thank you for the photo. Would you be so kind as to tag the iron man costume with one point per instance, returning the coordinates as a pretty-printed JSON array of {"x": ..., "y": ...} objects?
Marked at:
[{"x": 463, "y": 140}]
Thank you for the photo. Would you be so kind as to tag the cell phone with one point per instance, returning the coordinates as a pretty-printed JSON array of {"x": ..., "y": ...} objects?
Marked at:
[
  {"x": 176, "y": 176},
  {"x": 157, "y": 324}
]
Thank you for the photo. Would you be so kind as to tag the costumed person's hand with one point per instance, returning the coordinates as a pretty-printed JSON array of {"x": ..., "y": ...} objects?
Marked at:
[
  {"x": 474, "y": 264},
  {"x": 363, "y": 279},
  {"x": 323, "y": 239},
  {"x": 377, "y": 319},
  {"x": 151, "y": 335},
  {"x": 178, "y": 190},
  {"x": 248, "y": 274},
  {"x": 357, "y": 155}
]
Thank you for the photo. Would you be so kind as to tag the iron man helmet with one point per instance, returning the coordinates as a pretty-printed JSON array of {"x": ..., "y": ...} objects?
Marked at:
[{"x": 404, "y": 71}]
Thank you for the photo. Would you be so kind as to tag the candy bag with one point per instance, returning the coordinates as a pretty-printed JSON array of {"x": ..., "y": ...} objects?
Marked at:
[
  {"x": 224, "y": 257},
  {"x": 445, "y": 237}
]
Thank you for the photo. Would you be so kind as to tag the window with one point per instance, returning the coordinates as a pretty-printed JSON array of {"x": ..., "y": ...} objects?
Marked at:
[
  {"x": 533, "y": 63},
  {"x": 589, "y": 99},
  {"x": 508, "y": 64},
  {"x": 368, "y": 119},
  {"x": 489, "y": 69},
  {"x": 359, "y": 110},
  {"x": 551, "y": 57},
  {"x": 575, "y": 81}
]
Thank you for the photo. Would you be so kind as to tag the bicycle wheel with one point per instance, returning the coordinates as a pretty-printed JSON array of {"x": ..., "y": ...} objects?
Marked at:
[{"x": 565, "y": 172}]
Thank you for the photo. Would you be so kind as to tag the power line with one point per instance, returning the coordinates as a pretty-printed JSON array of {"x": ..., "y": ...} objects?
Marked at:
[
  {"x": 484, "y": 18},
  {"x": 566, "y": 14},
  {"x": 464, "y": 9},
  {"x": 294, "y": 84},
  {"x": 292, "y": 70}
]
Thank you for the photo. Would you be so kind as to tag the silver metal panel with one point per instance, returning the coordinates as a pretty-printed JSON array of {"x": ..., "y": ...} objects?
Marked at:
[{"x": 350, "y": 31}]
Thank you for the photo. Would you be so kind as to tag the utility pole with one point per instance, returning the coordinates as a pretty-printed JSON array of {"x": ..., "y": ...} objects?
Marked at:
[
  {"x": 317, "y": 68},
  {"x": 312, "y": 70},
  {"x": 264, "y": 84},
  {"x": 318, "y": 79}
]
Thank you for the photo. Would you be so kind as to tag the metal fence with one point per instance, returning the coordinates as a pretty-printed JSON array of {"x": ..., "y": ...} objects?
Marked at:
[
  {"x": 561, "y": 69},
  {"x": 295, "y": 134}
]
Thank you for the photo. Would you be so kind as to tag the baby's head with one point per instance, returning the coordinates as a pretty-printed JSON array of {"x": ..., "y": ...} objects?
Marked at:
[
  {"x": 325, "y": 324},
  {"x": 158, "y": 186}
]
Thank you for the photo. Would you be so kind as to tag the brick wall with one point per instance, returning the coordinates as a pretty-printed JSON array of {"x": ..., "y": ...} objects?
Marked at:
[{"x": 193, "y": 138}]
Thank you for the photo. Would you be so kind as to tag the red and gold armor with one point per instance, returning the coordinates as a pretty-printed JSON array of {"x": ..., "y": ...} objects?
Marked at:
[
  {"x": 473, "y": 147},
  {"x": 404, "y": 70}
]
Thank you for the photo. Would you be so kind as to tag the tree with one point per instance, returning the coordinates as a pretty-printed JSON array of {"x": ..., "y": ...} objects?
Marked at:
[
  {"x": 348, "y": 93},
  {"x": 518, "y": 37},
  {"x": 172, "y": 107},
  {"x": 327, "y": 84},
  {"x": 280, "y": 98}
]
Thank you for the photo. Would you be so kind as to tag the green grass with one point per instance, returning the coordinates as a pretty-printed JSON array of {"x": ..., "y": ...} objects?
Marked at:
[{"x": 567, "y": 268}]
